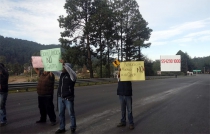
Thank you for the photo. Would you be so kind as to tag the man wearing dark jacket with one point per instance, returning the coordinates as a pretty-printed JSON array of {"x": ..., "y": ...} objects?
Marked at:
[
  {"x": 124, "y": 90},
  {"x": 45, "y": 90},
  {"x": 4, "y": 77},
  {"x": 66, "y": 96}
]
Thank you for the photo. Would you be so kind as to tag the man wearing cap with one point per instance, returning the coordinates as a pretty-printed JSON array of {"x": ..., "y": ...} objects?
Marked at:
[
  {"x": 67, "y": 80},
  {"x": 4, "y": 76}
]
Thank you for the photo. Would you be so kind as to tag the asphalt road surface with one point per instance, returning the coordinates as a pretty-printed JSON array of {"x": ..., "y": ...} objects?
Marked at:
[{"x": 175, "y": 105}]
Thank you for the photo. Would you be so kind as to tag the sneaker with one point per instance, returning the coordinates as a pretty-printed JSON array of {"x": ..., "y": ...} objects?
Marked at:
[
  {"x": 121, "y": 124},
  {"x": 53, "y": 123},
  {"x": 40, "y": 121},
  {"x": 60, "y": 131},
  {"x": 73, "y": 130},
  {"x": 3, "y": 124},
  {"x": 131, "y": 127}
]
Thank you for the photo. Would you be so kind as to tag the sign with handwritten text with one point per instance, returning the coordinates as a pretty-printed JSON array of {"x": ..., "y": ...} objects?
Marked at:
[
  {"x": 37, "y": 62},
  {"x": 50, "y": 58},
  {"x": 132, "y": 71}
]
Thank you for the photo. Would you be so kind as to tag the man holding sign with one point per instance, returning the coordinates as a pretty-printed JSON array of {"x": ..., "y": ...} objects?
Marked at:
[
  {"x": 67, "y": 81},
  {"x": 124, "y": 90},
  {"x": 45, "y": 91}
]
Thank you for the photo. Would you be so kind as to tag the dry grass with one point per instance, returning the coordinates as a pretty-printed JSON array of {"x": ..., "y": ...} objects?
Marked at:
[{"x": 22, "y": 78}]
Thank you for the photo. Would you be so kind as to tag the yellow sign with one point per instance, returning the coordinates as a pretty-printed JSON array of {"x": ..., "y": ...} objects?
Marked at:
[
  {"x": 116, "y": 63},
  {"x": 132, "y": 71}
]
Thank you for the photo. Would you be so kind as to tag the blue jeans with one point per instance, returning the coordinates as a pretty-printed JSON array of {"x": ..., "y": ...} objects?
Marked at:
[
  {"x": 64, "y": 104},
  {"x": 126, "y": 102},
  {"x": 3, "y": 99}
]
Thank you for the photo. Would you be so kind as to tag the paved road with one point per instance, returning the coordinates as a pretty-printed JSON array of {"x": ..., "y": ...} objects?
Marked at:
[{"x": 175, "y": 105}]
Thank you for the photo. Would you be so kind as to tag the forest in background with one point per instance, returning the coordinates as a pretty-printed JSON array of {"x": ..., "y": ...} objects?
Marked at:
[{"x": 16, "y": 55}]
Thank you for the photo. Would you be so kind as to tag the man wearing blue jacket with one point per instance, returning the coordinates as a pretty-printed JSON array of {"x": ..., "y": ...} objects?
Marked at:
[
  {"x": 67, "y": 81},
  {"x": 4, "y": 77}
]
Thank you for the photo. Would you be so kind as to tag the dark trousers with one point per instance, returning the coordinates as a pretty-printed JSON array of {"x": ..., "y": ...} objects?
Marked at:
[{"x": 46, "y": 107}]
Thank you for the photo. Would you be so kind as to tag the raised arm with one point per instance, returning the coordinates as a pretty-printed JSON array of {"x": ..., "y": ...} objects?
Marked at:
[
  {"x": 36, "y": 70},
  {"x": 67, "y": 67},
  {"x": 72, "y": 74},
  {"x": 118, "y": 75}
]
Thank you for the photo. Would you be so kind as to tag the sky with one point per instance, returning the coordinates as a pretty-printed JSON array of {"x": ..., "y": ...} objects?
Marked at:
[{"x": 177, "y": 24}]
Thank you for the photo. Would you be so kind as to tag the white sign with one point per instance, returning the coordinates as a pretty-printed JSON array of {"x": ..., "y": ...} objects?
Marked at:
[
  {"x": 158, "y": 72},
  {"x": 170, "y": 63}
]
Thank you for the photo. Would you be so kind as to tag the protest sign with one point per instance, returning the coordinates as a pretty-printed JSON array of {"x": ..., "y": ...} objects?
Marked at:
[
  {"x": 132, "y": 71},
  {"x": 50, "y": 58},
  {"x": 37, "y": 62},
  {"x": 116, "y": 63}
]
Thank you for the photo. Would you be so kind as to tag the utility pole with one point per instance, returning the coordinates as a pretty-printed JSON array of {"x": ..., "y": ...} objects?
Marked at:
[{"x": 204, "y": 70}]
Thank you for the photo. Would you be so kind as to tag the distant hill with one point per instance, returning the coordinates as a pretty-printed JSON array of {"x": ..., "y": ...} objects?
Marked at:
[{"x": 20, "y": 51}]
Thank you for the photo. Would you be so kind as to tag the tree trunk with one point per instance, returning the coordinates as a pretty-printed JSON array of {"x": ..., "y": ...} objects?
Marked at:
[{"x": 89, "y": 57}]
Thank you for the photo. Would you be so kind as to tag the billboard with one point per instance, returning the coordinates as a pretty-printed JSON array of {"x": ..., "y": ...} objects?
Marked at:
[{"x": 170, "y": 62}]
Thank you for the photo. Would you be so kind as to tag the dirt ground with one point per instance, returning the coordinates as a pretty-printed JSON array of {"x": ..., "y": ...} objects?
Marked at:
[{"x": 19, "y": 79}]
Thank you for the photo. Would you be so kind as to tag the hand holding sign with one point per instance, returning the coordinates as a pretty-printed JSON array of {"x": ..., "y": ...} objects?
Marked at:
[{"x": 61, "y": 61}]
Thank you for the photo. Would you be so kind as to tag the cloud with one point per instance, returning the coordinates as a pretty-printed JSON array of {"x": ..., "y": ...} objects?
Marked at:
[
  {"x": 200, "y": 33},
  {"x": 164, "y": 34},
  {"x": 159, "y": 43},
  {"x": 36, "y": 19},
  {"x": 191, "y": 25},
  {"x": 183, "y": 40},
  {"x": 204, "y": 39},
  {"x": 186, "y": 32}
]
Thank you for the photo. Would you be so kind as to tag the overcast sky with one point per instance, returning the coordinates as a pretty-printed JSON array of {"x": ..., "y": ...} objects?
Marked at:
[{"x": 176, "y": 24}]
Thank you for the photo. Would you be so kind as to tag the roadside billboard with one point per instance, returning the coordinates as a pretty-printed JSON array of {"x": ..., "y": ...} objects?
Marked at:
[{"x": 170, "y": 62}]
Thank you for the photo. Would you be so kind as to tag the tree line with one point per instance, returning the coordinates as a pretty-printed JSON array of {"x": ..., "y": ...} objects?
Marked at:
[
  {"x": 187, "y": 64},
  {"x": 28, "y": 49},
  {"x": 103, "y": 29},
  {"x": 16, "y": 53}
]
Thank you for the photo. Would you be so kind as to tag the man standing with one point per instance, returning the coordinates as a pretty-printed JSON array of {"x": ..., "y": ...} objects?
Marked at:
[
  {"x": 4, "y": 77},
  {"x": 66, "y": 96},
  {"x": 124, "y": 91},
  {"x": 45, "y": 90}
]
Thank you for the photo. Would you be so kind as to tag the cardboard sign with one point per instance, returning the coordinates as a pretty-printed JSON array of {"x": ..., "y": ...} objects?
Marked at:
[
  {"x": 50, "y": 58},
  {"x": 37, "y": 62},
  {"x": 132, "y": 71},
  {"x": 116, "y": 63}
]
